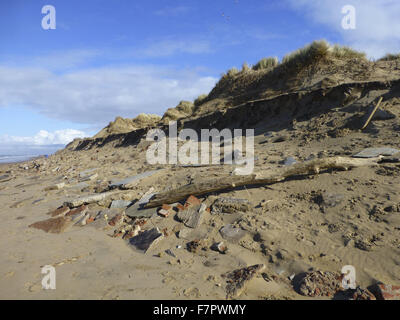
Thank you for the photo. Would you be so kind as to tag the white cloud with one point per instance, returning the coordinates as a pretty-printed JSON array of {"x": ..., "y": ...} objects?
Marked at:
[
  {"x": 43, "y": 138},
  {"x": 97, "y": 96},
  {"x": 377, "y": 22}
]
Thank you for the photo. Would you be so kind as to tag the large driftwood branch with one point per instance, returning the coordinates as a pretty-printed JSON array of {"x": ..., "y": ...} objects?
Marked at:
[{"x": 263, "y": 177}]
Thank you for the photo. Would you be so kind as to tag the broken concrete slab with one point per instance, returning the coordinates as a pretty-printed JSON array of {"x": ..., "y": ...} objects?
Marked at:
[
  {"x": 238, "y": 279},
  {"x": 53, "y": 225},
  {"x": 192, "y": 215},
  {"x": 230, "y": 205},
  {"x": 230, "y": 233},
  {"x": 120, "y": 204},
  {"x": 88, "y": 199},
  {"x": 137, "y": 211},
  {"x": 131, "y": 181},
  {"x": 376, "y": 152},
  {"x": 146, "y": 240}
]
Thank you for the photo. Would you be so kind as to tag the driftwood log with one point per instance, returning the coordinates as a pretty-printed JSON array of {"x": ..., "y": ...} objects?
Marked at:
[{"x": 263, "y": 177}]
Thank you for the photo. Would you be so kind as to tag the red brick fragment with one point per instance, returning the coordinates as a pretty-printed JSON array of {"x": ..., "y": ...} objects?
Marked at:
[{"x": 192, "y": 201}]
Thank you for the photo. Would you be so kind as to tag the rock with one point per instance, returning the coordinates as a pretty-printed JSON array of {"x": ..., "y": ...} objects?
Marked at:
[
  {"x": 59, "y": 212},
  {"x": 131, "y": 181},
  {"x": 230, "y": 205},
  {"x": 318, "y": 283},
  {"x": 137, "y": 211},
  {"x": 53, "y": 225},
  {"x": 375, "y": 152},
  {"x": 230, "y": 233},
  {"x": 386, "y": 291},
  {"x": 146, "y": 240},
  {"x": 120, "y": 204},
  {"x": 238, "y": 279},
  {"x": 219, "y": 247},
  {"x": 192, "y": 215}
]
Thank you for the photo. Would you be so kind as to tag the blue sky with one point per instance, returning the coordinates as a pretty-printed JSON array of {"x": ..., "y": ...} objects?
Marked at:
[{"x": 123, "y": 57}]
